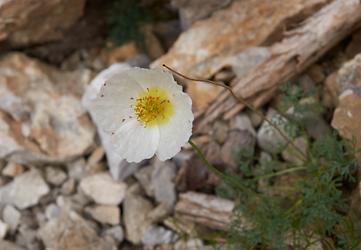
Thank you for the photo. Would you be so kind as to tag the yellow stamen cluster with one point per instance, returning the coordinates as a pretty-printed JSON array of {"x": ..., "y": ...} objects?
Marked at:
[{"x": 152, "y": 107}]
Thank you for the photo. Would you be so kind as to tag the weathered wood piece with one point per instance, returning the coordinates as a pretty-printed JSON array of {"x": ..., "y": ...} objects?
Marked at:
[
  {"x": 300, "y": 48},
  {"x": 208, "y": 210}
]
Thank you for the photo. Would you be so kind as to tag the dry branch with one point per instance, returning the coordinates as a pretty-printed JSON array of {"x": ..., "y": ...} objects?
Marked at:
[{"x": 301, "y": 47}]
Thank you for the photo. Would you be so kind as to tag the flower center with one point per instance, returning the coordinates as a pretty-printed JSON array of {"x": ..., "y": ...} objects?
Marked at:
[{"x": 152, "y": 107}]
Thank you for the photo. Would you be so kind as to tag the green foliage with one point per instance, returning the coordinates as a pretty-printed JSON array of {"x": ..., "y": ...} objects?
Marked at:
[
  {"x": 312, "y": 208},
  {"x": 124, "y": 20}
]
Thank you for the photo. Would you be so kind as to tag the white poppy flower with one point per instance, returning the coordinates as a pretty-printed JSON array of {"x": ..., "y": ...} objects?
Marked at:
[{"x": 146, "y": 112}]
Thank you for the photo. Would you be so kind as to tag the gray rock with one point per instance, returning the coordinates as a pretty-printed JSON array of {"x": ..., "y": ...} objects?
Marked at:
[
  {"x": 103, "y": 189},
  {"x": 237, "y": 140},
  {"x": 3, "y": 229},
  {"x": 268, "y": 138},
  {"x": 163, "y": 182},
  {"x": 12, "y": 169},
  {"x": 68, "y": 187},
  {"x": 156, "y": 235},
  {"x": 220, "y": 131},
  {"x": 71, "y": 231},
  {"x": 77, "y": 169},
  {"x": 192, "y": 244},
  {"x": 52, "y": 211},
  {"x": 7, "y": 245},
  {"x": 242, "y": 122},
  {"x": 116, "y": 233},
  {"x": 191, "y": 11},
  {"x": 290, "y": 154},
  {"x": 144, "y": 177},
  {"x": 105, "y": 214},
  {"x": 25, "y": 190},
  {"x": 135, "y": 211},
  {"x": 55, "y": 176},
  {"x": 11, "y": 216},
  {"x": 119, "y": 168},
  {"x": 43, "y": 102}
]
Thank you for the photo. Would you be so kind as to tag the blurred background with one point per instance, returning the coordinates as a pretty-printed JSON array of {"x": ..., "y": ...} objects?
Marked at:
[{"x": 297, "y": 62}]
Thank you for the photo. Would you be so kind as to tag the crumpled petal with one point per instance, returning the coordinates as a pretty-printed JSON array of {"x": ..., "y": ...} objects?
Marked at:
[
  {"x": 175, "y": 133},
  {"x": 134, "y": 142}
]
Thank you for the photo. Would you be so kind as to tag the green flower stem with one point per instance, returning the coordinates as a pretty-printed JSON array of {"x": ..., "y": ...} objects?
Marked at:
[{"x": 286, "y": 171}]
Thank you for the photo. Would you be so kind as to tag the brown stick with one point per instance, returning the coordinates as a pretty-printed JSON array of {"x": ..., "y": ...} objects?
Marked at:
[{"x": 296, "y": 52}]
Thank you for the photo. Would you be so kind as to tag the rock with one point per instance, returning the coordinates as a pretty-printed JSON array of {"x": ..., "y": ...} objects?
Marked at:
[
  {"x": 26, "y": 236},
  {"x": 354, "y": 48},
  {"x": 220, "y": 131},
  {"x": 119, "y": 168},
  {"x": 3, "y": 229},
  {"x": 22, "y": 23},
  {"x": 41, "y": 118},
  {"x": 151, "y": 42},
  {"x": 120, "y": 54},
  {"x": 144, "y": 177},
  {"x": 68, "y": 187},
  {"x": 116, "y": 233},
  {"x": 211, "y": 44},
  {"x": 105, "y": 214},
  {"x": 243, "y": 122},
  {"x": 7, "y": 245},
  {"x": 25, "y": 190},
  {"x": 156, "y": 235},
  {"x": 192, "y": 11},
  {"x": 347, "y": 117},
  {"x": 291, "y": 155},
  {"x": 71, "y": 231},
  {"x": 350, "y": 74},
  {"x": 135, "y": 211},
  {"x": 237, "y": 141},
  {"x": 103, "y": 189},
  {"x": 12, "y": 169},
  {"x": 52, "y": 211},
  {"x": 192, "y": 244},
  {"x": 77, "y": 169},
  {"x": 268, "y": 138},
  {"x": 11, "y": 216},
  {"x": 55, "y": 176},
  {"x": 163, "y": 182}
]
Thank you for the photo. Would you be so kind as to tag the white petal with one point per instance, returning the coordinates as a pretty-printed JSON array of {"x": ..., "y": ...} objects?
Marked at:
[
  {"x": 113, "y": 104},
  {"x": 175, "y": 133},
  {"x": 155, "y": 77},
  {"x": 134, "y": 143}
]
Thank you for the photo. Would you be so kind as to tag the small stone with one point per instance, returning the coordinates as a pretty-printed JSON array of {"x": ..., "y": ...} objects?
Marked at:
[
  {"x": 156, "y": 235},
  {"x": 52, "y": 211},
  {"x": 116, "y": 233},
  {"x": 105, "y": 214},
  {"x": 7, "y": 245},
  {"x": 25, "y": 190},
  {"x": 192, "y": 244},
  {"x": 243, "y": 122},
  {"x": 144, "y": 177},
  {"x": 103, "y": 189},
  {"x": 135, "y": 211},
  {"x": 71, "y": 231},
  {"x": 11, "y": 216},
  {"x": 347, "y": 117},
  {"x": 290, "y": 154},
  {"x": 55, "y": 176},
  {"x": 68, "y": 187},
  {"x": 163, "y": 182},
  {"x": 316, "y": 73},
  {"x": 13, "y": 169},
  {"x": 268, "y": 138},
  {"x": 237, "y": 141},
  {"x": 77, "y": 169},
  {"x": 3, "y": 229},
  {"x": 220, "y": 131}
]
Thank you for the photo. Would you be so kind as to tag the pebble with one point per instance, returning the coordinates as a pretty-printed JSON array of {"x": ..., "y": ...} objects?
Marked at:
[
  {"x": 103, "y": 189},
  {"x": 55, "y": 176},
  {"x": 11, "y": 216},
  {"x": 156, "y": 235},
  {"x": 12, "y": 169},
  {"x": 3, "y": 229},
  {"x": 105, "y": 214},
  {"x": 116, "y": 232}
]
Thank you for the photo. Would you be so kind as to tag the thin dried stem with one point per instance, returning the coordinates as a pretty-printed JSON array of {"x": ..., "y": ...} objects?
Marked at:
[{"x": 245, "y": 103}]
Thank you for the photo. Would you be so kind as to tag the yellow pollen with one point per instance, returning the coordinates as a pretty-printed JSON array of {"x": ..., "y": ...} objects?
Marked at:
[{"x": 152, "y": 107}]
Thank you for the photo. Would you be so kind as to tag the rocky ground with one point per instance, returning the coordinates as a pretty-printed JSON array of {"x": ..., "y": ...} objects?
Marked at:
[{"x": 62, "y": 187}]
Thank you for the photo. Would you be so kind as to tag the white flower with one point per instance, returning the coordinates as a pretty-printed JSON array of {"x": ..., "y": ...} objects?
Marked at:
[{"x": 145, "y": 112}]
